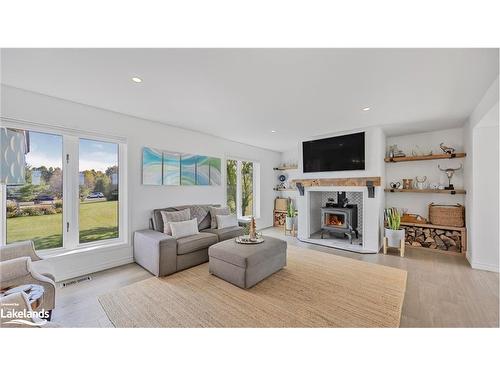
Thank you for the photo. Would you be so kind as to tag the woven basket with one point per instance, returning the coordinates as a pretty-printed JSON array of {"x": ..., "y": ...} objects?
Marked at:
[
  {"x": 448, "y": 215},
  {"x": 280, "y": 204}
]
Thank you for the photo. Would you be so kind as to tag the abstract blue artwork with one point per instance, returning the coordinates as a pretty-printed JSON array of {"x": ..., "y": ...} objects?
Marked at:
[
  {"x": 188, "y": 169},
  {"x": 215, "y": 171},
  {"x": 174, "y": 168},
  {"x": 203, "y": 170},
  {"x": 152, "y": 162},
  {"x": 171, "y": 168}
]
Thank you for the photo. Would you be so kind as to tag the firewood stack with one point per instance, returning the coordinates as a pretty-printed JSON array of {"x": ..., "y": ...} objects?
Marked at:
[
  {"x": 279, "y": 219},
  {"x": 448, "y": 240}
]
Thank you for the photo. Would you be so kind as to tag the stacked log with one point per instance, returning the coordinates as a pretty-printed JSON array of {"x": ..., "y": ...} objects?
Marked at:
[
  {"x": 279, "y": 218},
  {"x": 447, "y": 240}
]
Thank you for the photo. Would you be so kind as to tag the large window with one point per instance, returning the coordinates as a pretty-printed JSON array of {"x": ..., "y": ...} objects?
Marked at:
[
  {"x": 98, "y": 169},
  {"x": 65, "y": 165},
  {"x": 242, "y": 197},
  {"x": 34, "y": 209}
]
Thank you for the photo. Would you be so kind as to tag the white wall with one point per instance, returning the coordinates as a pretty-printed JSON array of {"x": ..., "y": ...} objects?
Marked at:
[
  {"x": 482, "y": 183},
  {"x": 418, "y": 203},
  {"x": 29, "y": 106}
]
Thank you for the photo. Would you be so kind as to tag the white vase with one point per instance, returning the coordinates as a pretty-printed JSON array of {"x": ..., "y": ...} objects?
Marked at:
[
  {"x": 394, "y": 237},
  {"x": 289, "y": 223}
]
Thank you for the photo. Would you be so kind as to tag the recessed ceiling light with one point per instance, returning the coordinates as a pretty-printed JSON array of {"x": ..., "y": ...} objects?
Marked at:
[
  {"x": 273, "y": 131},
  {"x": 136, "y": 79},
  {"x": 366, "y": 109}
]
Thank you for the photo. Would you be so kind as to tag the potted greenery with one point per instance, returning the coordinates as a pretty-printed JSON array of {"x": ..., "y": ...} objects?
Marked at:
[
  {"x": 290, "y": 215},
  {"x": 393, "y": 232}
]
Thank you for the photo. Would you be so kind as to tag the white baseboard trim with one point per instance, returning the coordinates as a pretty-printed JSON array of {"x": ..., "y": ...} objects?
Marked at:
[
  {"x": 484, "y": 266},
  {"x": 481, "y": 266},
  {"x": 467, "y": 256},
  {"x": 94, "y": 268}
]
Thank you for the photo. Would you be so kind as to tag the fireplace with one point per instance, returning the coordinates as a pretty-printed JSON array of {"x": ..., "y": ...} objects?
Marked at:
[
  {"x": 340, "y": 220},
  {"x": 334, "y": 219},
  {"x": 365, "y": 220}
]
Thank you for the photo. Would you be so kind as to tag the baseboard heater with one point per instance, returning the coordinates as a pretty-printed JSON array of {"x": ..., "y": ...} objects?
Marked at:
[{"x": 78, "y": 280}]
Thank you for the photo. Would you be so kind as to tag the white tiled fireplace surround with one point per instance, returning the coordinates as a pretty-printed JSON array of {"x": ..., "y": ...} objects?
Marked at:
[{"x": 370, "y": 211}]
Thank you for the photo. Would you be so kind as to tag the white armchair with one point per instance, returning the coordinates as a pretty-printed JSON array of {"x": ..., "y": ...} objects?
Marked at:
[
  {"x": 16, "y": 268},
  {"x": 19, "y": 249}
]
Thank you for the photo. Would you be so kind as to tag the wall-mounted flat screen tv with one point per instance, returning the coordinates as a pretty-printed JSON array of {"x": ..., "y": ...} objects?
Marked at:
[{"x": 342, "y": 153}]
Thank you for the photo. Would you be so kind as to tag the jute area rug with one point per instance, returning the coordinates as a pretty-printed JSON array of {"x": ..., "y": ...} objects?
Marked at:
[{"x": 314, "y": 290}]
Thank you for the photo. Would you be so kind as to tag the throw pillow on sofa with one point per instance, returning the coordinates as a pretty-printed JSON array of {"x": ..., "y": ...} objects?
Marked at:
[
  {"x": 214, "y": 211},
  {"x": 174, "y": 216},
  {"x": 186, "y": 228},
  {"x": 226, "y": 221},
  {"x": 201, "y": 213}
]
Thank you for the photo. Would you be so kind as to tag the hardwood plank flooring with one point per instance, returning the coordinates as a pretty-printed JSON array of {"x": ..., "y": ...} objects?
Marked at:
[{"x": 442, "y": 290}]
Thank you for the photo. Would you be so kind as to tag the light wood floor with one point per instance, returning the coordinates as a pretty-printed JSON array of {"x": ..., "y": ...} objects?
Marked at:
[{"x": 442, "y": 290}]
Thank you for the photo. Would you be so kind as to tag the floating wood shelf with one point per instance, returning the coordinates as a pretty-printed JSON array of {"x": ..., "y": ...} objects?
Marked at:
[
  {"x": 353, "y": 181},
  {"x": 426, "y": 157},
  {"x": 290, "y": 189},
  {"x": 286, "y": 168},
  {"x": 428, "y": 191}
]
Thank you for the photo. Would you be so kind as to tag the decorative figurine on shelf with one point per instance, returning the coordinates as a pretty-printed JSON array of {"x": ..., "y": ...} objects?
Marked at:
[
  {"x": 282, "y": 179},
  {"x": 395, "y": 185},
  {"x": 407, "y": 183},
  {"x": 449, "y": 173},
  {"x": 395, "y": 152},
  {"x": 420, "y": 182},
  {"x": 390, "y": 154},
  {"x": 418, "y": 151},
  {"x": 446, "y": 149},
  {"x": 252, "y": 232}
]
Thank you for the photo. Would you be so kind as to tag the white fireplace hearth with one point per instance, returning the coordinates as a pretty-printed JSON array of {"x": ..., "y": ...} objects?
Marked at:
[{"x": 355, "y": 228}]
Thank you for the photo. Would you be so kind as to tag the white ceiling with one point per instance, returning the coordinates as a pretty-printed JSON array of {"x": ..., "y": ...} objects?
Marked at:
[{"x": 243, "y": 94}]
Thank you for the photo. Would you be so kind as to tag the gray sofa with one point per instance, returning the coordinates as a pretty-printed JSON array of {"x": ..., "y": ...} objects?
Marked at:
[{"x": 162, "y": 254}]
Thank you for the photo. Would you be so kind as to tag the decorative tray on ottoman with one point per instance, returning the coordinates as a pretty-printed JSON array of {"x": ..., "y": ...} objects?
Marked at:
[{"x": 246, "y": 240}]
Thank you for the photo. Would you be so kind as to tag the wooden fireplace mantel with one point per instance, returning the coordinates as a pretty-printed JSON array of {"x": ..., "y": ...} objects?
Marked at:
[{"x": 349, "y": 181}]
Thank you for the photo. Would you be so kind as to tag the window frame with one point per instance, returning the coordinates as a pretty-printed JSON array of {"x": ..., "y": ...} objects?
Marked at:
[
  {"x": 71, "y": 199},
  {"x": 255, "y": 185}
]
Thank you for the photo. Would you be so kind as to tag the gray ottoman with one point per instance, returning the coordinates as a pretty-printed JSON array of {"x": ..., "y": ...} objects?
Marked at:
[{"x": 246, "y": 265}]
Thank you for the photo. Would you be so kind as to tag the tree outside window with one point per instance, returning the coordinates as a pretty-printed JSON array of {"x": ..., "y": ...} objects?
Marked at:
[
  {"x": 231, "y": 185},
  {"x": 240, "y": 187},
  {"x": 247, "y": 188}
]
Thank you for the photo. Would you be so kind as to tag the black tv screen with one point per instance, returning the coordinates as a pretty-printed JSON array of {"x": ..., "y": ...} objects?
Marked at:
[{"x": 342, "y": 153}]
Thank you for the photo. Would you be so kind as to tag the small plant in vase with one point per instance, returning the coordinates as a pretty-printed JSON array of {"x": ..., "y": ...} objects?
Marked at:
[
  {"x": 393, "y": 232},
  {"x": 290, "y": 215}
]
